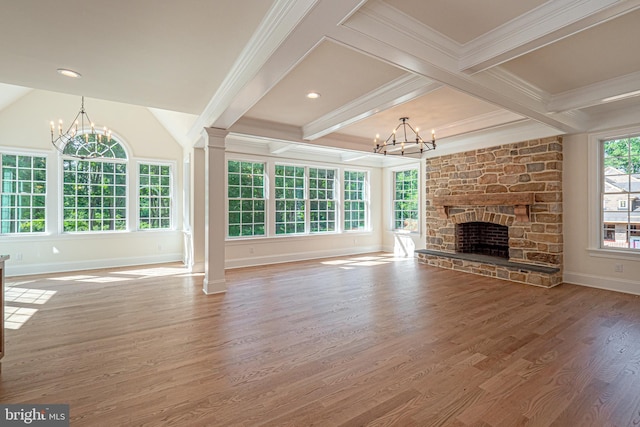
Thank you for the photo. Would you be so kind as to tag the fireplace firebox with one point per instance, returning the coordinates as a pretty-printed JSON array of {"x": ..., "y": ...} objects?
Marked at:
[{"x": 483, "y": 238}]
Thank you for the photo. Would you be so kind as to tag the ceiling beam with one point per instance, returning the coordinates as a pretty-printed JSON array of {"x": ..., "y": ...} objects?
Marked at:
[
  {"x": 396, "y": 92},
  {"x": 281, "y": 19},
  {"x": 595, "y": 94},
  {"x": 292, "y": 29},
  {"x": 544, "y": 25},
  {"x": 384, "y": 36}
]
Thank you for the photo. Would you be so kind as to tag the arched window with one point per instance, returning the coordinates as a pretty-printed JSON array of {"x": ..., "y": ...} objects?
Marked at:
[{"x": 95, "y": 190}]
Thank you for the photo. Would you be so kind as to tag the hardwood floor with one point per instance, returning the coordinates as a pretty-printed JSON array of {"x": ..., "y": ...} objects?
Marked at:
[{"x": 351, "y": 341}]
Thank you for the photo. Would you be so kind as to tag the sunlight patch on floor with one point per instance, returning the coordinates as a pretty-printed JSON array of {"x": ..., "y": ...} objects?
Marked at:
[
  {"x": 15, "y": 317},
  {"x": 364, "y": 261},
  {"x": 28, "y": 296},
  {"x": 154, "y": 271}
]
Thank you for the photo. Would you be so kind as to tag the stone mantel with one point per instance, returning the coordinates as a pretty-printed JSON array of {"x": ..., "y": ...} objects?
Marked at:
[{"x": 519, "y": 201}]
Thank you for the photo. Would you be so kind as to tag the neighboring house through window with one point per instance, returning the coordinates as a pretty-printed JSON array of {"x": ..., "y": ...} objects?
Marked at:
[{"x": 620, "y": 192}]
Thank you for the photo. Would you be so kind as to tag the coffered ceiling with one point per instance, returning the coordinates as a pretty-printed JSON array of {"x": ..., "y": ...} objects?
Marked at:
[{"x": 470, "y": 70}]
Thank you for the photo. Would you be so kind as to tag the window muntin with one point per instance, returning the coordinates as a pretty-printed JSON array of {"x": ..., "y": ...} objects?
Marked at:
[
  {"x": 246, "y": 198},
  {"x": 289, "y": 186},
  {"x": 405, "y": 200},
  {"x": 108, "y": 149},
  {"x": 94, "y": 195},
  {"x": 154, "y": 196},
  {"x": 322, "y": 203},
  {"x": 355, "y": 204},
  {"x": 23, "y": 194},
  {"x": 620, "y": 193}
]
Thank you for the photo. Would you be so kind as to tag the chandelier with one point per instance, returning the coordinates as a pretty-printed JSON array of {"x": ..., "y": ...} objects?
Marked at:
[
  {"x": 81, "y": 139},
  {"x": 408, "y": 139}
]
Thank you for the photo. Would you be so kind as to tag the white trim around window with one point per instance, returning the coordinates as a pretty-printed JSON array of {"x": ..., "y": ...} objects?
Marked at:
[{"x": 595, "y": 212}]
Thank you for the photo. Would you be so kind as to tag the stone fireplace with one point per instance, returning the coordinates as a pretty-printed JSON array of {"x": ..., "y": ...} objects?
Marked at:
[{"x": 498, "y": 212}]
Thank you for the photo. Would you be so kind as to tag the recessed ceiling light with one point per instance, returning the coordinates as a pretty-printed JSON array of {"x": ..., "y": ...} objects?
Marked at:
[
  {"x": 313, "y": 95},
  {"x": 69, "y": 73}
]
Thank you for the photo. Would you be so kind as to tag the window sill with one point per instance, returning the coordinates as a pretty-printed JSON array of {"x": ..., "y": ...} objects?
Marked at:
[{"x": 629, "y": 255}]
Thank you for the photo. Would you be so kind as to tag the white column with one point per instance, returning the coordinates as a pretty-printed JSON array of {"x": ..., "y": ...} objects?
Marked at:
[
  {"x": 198, "y": 208},
  {"x": 215, "y": 221}
]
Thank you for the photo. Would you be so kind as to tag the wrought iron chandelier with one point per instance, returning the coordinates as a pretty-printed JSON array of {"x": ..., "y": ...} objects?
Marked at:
[
  {"x": 407, "y": 138},
  {"x": 81, "y": 139}
]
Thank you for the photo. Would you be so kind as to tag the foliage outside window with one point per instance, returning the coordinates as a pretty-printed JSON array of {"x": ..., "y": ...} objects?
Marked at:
[
  {"x": 322, "y": 206},
  {"x": 354, "y": 200},
  {"x": 23, "y": 194},
  {"x": 95, "y": 191},
  {"x": 154, "y": 186},
  {"x": 290, "y": 199},
  {"x": 405, "y": 200},
  {"x": 620, "y": 192},
  {"x": 246, "y": 198}
]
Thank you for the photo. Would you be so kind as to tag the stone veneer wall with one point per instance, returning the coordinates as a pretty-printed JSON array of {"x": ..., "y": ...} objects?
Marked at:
[{"x": 531, "y": 166}]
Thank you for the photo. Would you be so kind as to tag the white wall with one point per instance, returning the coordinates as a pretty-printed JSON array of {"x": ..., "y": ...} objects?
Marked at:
[
  {"x": 582, "y": 266},
  {"x": 24, "y": 125}
]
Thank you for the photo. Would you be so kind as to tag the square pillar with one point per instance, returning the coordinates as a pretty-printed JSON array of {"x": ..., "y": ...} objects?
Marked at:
[{"x": 215, "y": 216}]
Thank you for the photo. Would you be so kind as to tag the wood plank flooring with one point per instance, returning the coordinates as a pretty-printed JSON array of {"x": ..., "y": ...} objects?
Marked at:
[{"x": 368, "y": 340}]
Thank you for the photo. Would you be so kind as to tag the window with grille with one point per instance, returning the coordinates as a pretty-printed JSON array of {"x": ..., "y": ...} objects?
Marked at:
[
  {"x": 23, "y": 194},
  {"x": 95, "y": 192},
  {"x": 620, "y": 193},
  {"x": 405, "y": 200},
  {"x": 355, "y": 200},
  {"x": 246, "y": 198},
  {"x": 289, "y": 186},
  {"x": 154, "y": 196}
]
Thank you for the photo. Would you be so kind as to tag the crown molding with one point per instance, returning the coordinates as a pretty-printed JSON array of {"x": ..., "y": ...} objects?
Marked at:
[
  {"x": 478, "y": 123},
  {"x": 588, "y": 96},
  {"x": 541, "y": 26},
  {"x": 396, "y": 92},
  {"x": 385, "y": 17},
  {"x": 507, "y": 79}
]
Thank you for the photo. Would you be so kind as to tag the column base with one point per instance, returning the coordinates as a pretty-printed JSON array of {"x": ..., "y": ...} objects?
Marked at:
[{"x": 211, "y": 287}]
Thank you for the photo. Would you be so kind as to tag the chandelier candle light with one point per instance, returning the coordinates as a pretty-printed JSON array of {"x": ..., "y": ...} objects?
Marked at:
[
  {"x": 85, "y": 142},
  {"x": 413, "y": 146}
]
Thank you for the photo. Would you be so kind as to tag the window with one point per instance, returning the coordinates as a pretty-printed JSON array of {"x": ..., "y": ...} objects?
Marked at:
[
  {"x": 322, "y": 206},
  {"x": 405, "y": 200},
  {"x": 95, "y": 192},
  {"x": 24, "y": 184},
  {"x": 246, "y": 198},
  {"x": 306, "y": 199},
  {"x": 620, "y": 190},
  {"x": 154, "y": 197},
  {"x": 355, "y": 204},
  {"x": 290, "y": 199}
]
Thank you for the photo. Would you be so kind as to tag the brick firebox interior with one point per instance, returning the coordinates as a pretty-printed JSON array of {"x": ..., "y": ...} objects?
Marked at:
[{"x": 516, "y": 185}]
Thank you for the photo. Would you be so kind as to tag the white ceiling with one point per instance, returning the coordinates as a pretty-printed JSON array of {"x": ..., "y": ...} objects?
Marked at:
[{"x": 462, "y": 67}]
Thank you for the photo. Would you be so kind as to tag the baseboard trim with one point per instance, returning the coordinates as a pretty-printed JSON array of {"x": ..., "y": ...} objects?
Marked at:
[
  {"x": 23, "y": 270},
  {"x": 599, "y": 282},
  {"x": 302, "y": 256}
]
